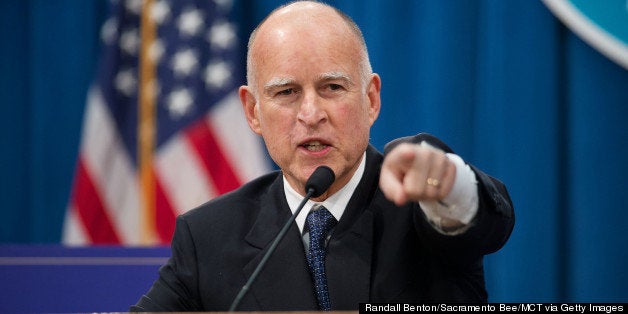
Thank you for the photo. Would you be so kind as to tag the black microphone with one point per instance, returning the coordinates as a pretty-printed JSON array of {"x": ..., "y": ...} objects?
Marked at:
[{"x": 320, "y": 180}]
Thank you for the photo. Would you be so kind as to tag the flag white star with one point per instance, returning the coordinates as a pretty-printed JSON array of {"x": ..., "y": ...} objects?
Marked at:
[
  {"x": 160, "y": 11},
  {"x": 224, "y": 4},
  {"x": 134, "y": 6},
  {"x": 179, "y": 103},
  {"x": 109, "y": 30},
  {"x": 184, "y": 62},
  {"x": 217, "y": 74},
  {"x": 222, "y": 34},
  {"x": 125, "y": 82},
  {"x": 156, "y": 50},
  {"x": 130, "y": 41},
  {"x": 190, "y": 22}
]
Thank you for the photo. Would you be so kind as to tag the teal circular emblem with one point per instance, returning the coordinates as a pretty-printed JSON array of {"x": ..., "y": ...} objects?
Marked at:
[{"x": 602, "y": 24}]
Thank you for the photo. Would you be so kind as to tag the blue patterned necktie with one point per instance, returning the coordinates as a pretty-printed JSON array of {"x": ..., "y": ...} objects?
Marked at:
[{"x": 319, "y": 221}]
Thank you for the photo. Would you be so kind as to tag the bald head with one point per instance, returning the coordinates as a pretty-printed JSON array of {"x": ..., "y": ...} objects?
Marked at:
[{"x": 310, "y": 19}]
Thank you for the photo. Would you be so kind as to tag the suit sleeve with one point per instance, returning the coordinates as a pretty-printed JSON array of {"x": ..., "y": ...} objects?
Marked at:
[
  {"x": 492, "y": 225},
  {"x": 176, "y": 289},
  {"x": 456, "y": 271}
]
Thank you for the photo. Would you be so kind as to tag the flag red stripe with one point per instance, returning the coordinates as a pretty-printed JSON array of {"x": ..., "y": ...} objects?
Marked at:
[
  {"x": 218, "y": 167},
  {"x": 164, "y": 215},
  {"x": 90, "y": 208}
]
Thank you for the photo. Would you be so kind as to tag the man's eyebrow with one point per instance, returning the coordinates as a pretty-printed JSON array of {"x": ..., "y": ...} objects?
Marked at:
[
  {"x": 330, "y": 76},
  {"x": 278, "y": 82}
]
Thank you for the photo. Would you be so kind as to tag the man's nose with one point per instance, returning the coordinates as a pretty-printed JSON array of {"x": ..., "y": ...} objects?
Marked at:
[{"x": 311, "y": 110}]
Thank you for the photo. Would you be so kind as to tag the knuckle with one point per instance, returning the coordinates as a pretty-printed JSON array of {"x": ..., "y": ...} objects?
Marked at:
[
  {"x": 414, "y": 193},
  {"x": 432, "y": 193}
]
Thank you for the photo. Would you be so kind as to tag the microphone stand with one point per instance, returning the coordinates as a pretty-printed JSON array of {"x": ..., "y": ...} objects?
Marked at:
[{"x": 270, "y": 251}]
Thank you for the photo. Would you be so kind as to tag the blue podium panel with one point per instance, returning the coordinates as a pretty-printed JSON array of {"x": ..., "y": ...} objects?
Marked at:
[{"x": 42, "y": 278}]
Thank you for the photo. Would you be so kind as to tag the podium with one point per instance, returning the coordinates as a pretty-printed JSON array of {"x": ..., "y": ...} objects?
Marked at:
[{"x": 54, "y": 278}]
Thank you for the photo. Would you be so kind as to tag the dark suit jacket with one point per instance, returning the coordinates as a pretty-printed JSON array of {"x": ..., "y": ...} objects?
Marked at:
[{"x": 378, "y": 252}]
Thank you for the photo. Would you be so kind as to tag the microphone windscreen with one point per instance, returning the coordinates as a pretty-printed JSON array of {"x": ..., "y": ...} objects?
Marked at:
[{"x": 320, "y": 180}]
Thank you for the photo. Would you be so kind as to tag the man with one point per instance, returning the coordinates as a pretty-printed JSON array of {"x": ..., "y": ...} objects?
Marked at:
[{"x": 411, "y": 227}]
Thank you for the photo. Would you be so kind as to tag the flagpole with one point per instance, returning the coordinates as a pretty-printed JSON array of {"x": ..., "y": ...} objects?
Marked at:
[{"x": 147, "y": 128}]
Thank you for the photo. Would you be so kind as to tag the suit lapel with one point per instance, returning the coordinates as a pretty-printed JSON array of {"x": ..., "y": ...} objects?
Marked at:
[
  {"x": 350, "y": 247},
  {"x": 348, "y": 265},
  {"x": 284, "y": 282}
]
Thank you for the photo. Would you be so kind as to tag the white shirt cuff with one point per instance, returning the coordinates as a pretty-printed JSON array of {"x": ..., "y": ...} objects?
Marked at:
[{"x": 461, "y": 204}]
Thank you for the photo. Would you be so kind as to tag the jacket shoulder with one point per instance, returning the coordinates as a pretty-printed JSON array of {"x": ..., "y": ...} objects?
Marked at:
[
  {"x": 417, "y": 139},
  {"x": 246, "y": 196}
]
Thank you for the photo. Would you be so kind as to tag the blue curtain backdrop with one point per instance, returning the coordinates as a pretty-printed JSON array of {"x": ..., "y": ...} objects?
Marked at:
[{"x": 503, "y": 82}]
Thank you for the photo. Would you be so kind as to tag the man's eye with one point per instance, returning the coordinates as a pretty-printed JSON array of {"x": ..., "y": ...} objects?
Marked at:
[
  {"x": 335, "y": 87},
  {"x": 286, "y": 92}
]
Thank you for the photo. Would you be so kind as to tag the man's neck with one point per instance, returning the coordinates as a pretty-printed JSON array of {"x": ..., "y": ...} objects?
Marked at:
[{"x": 335, "y": 203}]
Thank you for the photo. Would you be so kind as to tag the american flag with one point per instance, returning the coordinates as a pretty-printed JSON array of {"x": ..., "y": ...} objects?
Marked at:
[{"x": 163, "y": 129}]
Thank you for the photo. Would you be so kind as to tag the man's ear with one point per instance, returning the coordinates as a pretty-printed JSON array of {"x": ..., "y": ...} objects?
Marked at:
[
  {"x": 249, "y": 104},
  {"x": 373, "y": 92}
]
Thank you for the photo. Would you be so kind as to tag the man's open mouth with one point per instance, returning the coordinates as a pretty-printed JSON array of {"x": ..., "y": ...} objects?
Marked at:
[{"x": 314, "y": 146}]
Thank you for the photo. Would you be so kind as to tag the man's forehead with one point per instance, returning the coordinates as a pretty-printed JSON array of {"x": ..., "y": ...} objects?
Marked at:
[{"x": 310, "y": 17}]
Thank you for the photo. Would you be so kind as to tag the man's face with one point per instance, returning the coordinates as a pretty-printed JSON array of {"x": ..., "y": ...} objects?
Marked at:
[{"x": 313, "y": 107}]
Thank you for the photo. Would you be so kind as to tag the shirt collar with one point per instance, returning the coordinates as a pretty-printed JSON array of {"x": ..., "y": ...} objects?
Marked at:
[{"x": 335, "y": 203}]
